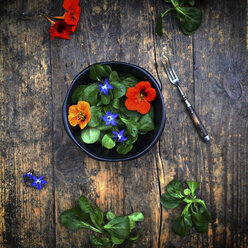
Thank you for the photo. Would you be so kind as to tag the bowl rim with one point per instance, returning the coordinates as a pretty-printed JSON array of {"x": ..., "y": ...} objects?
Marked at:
[{"x": 66, "y": 123}]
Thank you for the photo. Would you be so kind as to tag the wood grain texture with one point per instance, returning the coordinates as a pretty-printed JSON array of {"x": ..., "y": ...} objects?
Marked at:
[
  {"x": 26, "y": 143},
  {"x": 35, "y": 74}
]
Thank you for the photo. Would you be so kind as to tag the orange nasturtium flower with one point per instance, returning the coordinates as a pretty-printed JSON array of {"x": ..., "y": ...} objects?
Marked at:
[
  {"x": 79, "y": 114},
  {"x": 138, "y": 97}
]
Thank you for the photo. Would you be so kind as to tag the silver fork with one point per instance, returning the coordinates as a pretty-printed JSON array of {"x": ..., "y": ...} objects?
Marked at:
[{"x": 194, "y": 117}]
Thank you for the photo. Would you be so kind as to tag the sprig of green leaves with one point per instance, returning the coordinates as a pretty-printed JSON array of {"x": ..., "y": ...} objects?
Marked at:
[
  {"x": 195, "y": 213},
  {"x": 110, "y": 230},
  {"x": 190, "y": 18}
]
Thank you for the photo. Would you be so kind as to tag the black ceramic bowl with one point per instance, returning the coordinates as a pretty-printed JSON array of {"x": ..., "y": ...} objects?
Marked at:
[{"x": 144, "y": 142}]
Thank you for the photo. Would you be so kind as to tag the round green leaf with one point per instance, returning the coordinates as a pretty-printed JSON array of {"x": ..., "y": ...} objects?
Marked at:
[
  {"x": 107, "y": 142},
  {"x": 90, "y": 135}
]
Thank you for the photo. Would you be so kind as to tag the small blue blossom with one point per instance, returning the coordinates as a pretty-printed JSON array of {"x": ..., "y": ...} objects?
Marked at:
[
  {"x": 119, "y": 136},
  {"x": 29, "y": 174},
  {"x": 38, "y": 182},
  {"x": 105, "y": 87},
  {"x": 110, "y": 119}
]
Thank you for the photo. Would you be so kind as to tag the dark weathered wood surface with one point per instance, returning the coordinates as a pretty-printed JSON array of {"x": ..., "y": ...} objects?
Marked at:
[{"x": 35, "y": 75}]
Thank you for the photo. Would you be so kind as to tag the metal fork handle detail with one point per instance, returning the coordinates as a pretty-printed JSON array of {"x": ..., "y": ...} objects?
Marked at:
[{"x": 195, "y": 118}]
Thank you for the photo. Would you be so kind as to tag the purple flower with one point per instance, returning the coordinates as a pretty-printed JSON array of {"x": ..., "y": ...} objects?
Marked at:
[
  {"x": 105, "y": 87},
  {"x": 29, "y": 174},
  {"x": 110, "y": 118},
  {"x": 38, "y": 182},
  {"x": 119, "y": 136}
]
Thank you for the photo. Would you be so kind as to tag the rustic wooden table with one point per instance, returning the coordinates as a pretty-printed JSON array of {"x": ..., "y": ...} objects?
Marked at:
[{"x": 35, "y": 76}]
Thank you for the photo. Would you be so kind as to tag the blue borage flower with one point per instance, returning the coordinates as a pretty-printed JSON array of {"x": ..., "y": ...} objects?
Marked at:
[
  {"x": 119, "y": 136},
  {"x": 38, "y": 182},
  {"x": 109, "y": 118},
  {"x": 29, "y": 174},
  {"x": 105, "y": 87}
]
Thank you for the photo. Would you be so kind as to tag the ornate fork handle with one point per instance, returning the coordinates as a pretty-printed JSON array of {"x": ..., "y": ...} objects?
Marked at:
[{"x": 194, "y": 117}]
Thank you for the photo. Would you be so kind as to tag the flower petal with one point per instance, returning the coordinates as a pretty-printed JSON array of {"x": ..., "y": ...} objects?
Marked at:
[
  {"x": 82, "y": 124},
  {"x": 73, "y": 110},
  {"x": 73, "y": 120},
  {"x": 83, "y": 106},
  {"x": 143, "y": 107},
  {"x": 39, "y": 186},
  {"x": 131, "y": 104},
  {"x": 33, "y": 184},
  {"x": 150, "y": 94},
  {"x": 142, "y": 85},
  {"x": 70, "y": 4},
  {"x": 132, "y": 92}
]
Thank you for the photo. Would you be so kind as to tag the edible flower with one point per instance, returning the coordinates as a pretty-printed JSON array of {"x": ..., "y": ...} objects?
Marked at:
[
  {"x": 67, "y": 23},
  {"x": 72, "y": 13},
  {"x": 29, "y": 174},
  {"x": 59, "y": 29},
  {"x": 138, "y": 97},
  {"x": 109, "y": 118},
  {"x": 105, "y": 87},
  {"x": 119, "y": 136},
  {"x": 79, "y": 114},
  {"x": 38, "y": 182}
]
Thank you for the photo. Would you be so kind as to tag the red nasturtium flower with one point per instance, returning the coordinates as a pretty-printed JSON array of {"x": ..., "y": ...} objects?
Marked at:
[
  {"x": 72, "y": 13},
  {"x": 67, "y": 23},
  {"x": 138, "y": 97},
  {"x": 79, "y": 114},
  {"x": 61, "y": 30}
]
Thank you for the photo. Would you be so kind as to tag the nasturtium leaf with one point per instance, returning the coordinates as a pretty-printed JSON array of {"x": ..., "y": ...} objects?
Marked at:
[
  {"x": 200, "y": 221},
  {"x": 190, "y": 19},
  {"x": 74, "y": 218},
  {"x": 146, "y": 123},
  {"x": 124, "y": 148},
  {"x": 136, "y": 216},
  {"x": 119, "y": 227},
  {"x": 73, "y": 222},
  {"x": 77, "y": 93},
  {"x": 152, "y": 112},
  {"x": 116, "y": 103},
  {"x": 98, "y": 216},
  {"x": 187, "y": 191},
  {"x": 97, "y": 72},
  {"x": 192, "y": 186},
  {"x": 108, "y": 142},
  {"x": 104, "y": 128},
  {"x": 159, "y": 26},
  {"x": 115, "y": 240},
  {"x": 119, "y": 89},
  {"x": 132, "y": 125},
  {"x": 90, "y": 135},
  {"x": 107, "y": 69},
  {"x": 128, "y": 80},
  {"x": 85, "y": 205},
  {"x": 105, "y": 99},
  {"x": 96, "y": 241},
  {"x": 114, "y": 77},
  {"x": 180, "y": 226},
  {"x": 110, "y": 216},
  {"x": 169, "y": 201},
  {"x": 174, "y": 188},
  {"x": 90, "y": 94},
  {"x": 96, "y": 113}
]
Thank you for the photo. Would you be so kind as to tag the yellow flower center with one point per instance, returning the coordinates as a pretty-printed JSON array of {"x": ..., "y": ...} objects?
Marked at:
[
  {"x": 81, "y": 116},
  {"x": 142, "y": 95}
]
